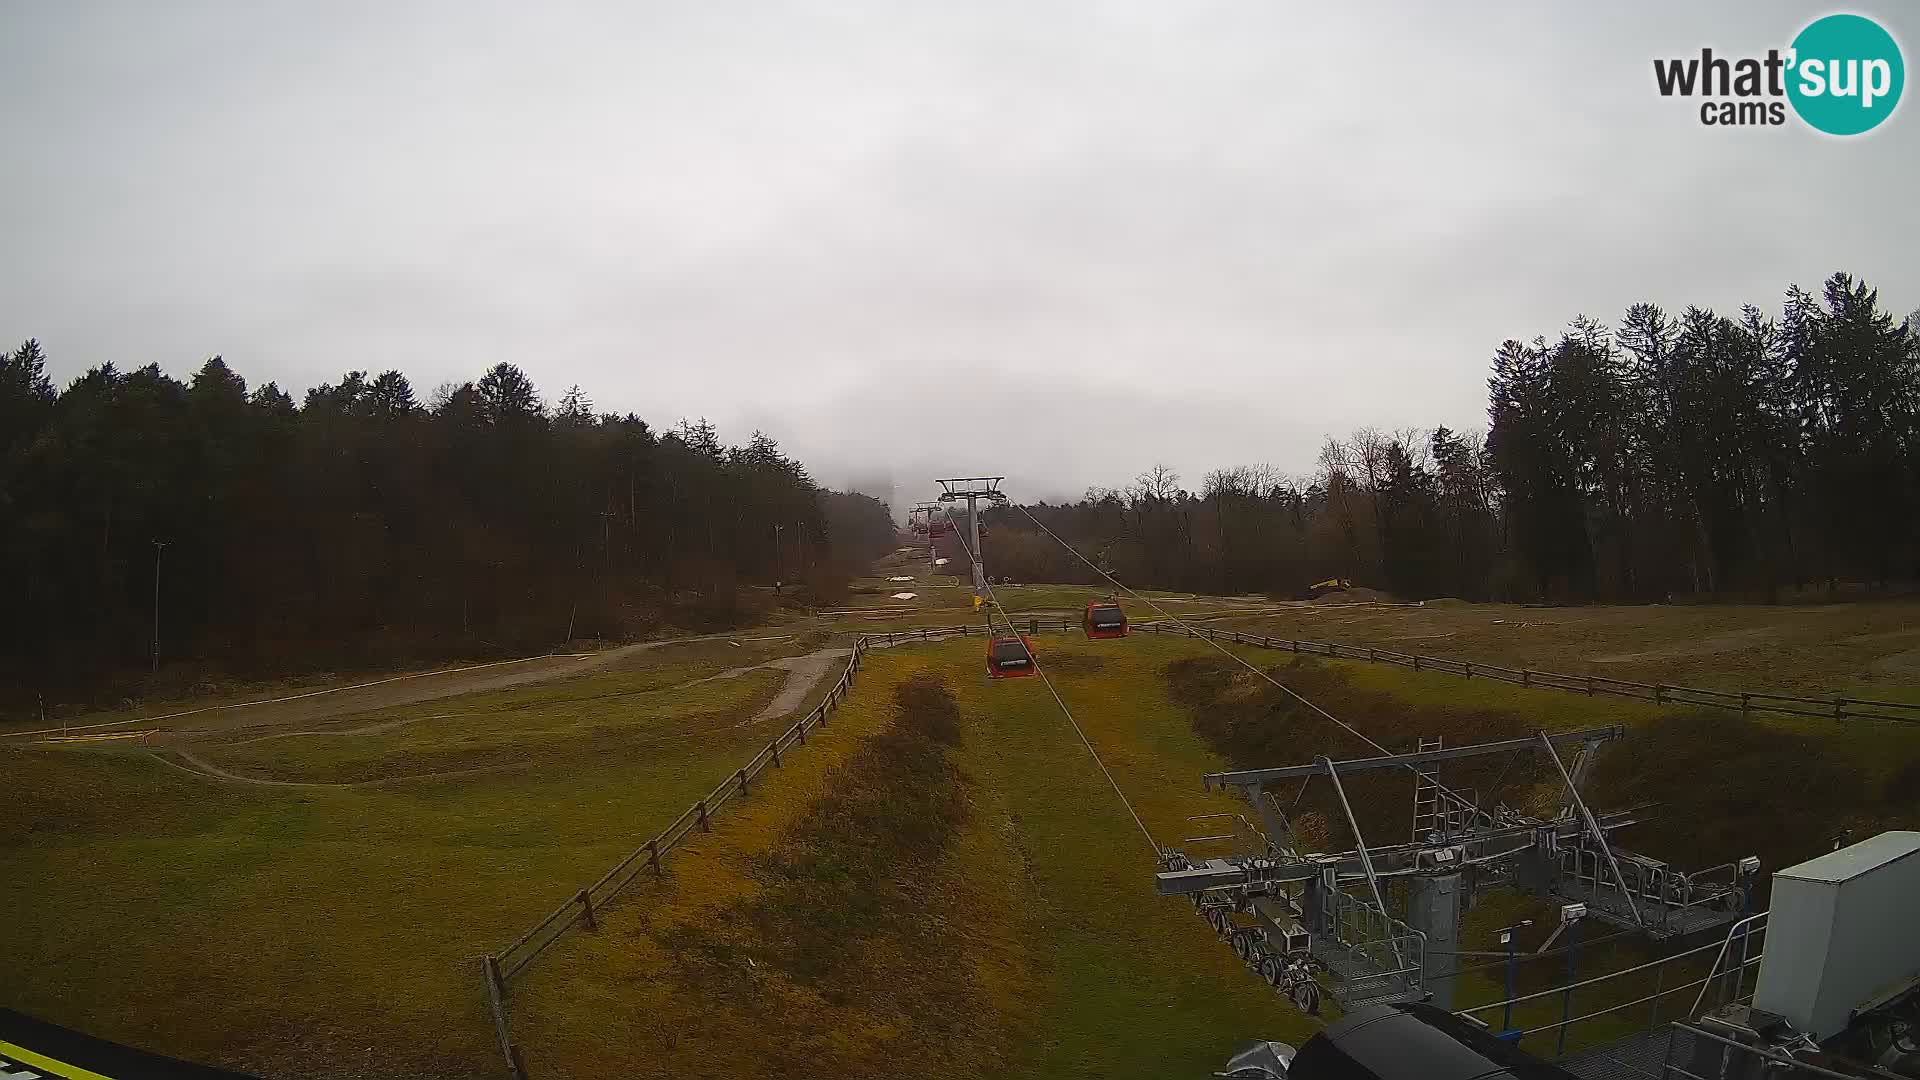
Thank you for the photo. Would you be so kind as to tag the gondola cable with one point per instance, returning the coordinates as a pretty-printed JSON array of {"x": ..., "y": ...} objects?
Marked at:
[
  {"x": 1235, "y": 657},
  {"x": 994, "y": 602}
]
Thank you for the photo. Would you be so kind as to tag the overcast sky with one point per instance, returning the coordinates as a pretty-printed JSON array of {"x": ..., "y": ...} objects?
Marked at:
[{"x": 1056, "y": 241}]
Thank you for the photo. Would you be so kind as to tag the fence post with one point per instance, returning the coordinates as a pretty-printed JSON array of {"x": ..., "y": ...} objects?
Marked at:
[
  {"x": 1659, "y": 693},
  {"x": 1526, "y": 676},
  {"x": 653, "y": 858},
  {"x": 1589, "y": 686},
  {"x": 496, "y": 998},
  {"x": 1033, "y": 625},
  {"x": 586, "y": 906},
  {"x": 495, "y": 981},
  {"x": 1371, "y": 658},
  {"x": 774, "y": 747},
  {"x": 1744, "y": 706},
  {"x": 701, "y": 806},
  {"x": 741, "y": 775},
  {"x": 1469, "y": 670},
  {"x": 1416, "y": 661},
  {"x": 1838, "y": 711},
  {"x": 1295, "y": 642}
]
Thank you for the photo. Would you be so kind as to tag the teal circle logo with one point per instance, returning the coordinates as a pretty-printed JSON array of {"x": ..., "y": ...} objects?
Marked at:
[{"x": 1846, "y": 74}]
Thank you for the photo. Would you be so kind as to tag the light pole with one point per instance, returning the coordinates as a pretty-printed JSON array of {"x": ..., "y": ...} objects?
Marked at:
[
  {"x": 158, "y": 546},
  {"x": 1570, "y": 916},
  {"x": 776, "y": 557},
  {"x": 1506, "y": 939}
]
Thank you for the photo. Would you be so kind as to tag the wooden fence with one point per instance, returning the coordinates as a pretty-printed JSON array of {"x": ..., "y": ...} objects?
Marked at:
[
  {"x": 649, "y": 859},
  {"x": 1834, "y": 707}
]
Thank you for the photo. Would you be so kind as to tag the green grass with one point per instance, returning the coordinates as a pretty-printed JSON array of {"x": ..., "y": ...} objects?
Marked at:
[
  {"x": 1128, "y": 984},
  {"x": 1865, "y": 649},
  {"x": 323, "y": 932},
  {"x": 954, "y": 605},
  {"x": 1877, "y": 750},
  {"x": 337, "y": 931},
  {"x": 551, "y": 726},
  {"x": 1045, "y": 902}
]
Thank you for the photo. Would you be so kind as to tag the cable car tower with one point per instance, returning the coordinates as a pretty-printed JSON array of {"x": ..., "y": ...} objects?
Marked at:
[
  {"x": 1293, "y": 915},
  {"x": 923, "y": 526},
  {"x": 974, "y": 489}
]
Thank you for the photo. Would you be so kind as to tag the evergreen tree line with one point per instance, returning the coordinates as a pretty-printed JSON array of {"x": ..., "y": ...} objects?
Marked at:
[
  {"x": 1697, "y": 455},
  {"x": 363, "y": 526}
]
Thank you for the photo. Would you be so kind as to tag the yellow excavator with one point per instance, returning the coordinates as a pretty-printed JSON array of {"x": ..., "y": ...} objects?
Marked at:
[{"x": 1321, "y": 588}]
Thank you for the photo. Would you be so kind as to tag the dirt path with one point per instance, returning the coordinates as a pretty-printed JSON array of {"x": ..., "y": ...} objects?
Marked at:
[
  {"x": 803, "y": 674},
  {"x": 316, "y": 705},
  {"x": 190, "y": 763}
]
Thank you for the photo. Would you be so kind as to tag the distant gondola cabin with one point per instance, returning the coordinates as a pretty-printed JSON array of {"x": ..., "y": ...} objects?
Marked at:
[
  {"x": 1010, "y": 658},
  {"x": 1104, "y": 619}
]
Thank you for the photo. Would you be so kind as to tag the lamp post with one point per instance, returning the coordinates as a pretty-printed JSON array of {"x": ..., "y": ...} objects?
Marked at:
[
  {"x": 1506, "y": 939},
  {"x": 1570, "y": 916},
  {"x": 158, "y": 546}
]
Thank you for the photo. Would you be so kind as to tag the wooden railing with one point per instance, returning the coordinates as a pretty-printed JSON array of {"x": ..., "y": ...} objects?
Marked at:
[
  {"x": 1834, "y": 707},
  {"x": 582, "y": 909}
]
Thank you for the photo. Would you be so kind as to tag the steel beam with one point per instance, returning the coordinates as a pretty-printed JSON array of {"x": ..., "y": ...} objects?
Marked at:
[
  {"x": 1252, "y": 777},
  {"x": 1390, "y": 861},
  {"x": 1593, "y": 827}
]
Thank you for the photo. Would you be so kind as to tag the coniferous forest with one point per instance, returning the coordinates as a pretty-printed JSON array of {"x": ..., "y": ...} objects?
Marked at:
[
  {"x": 1758, "y": 456},
  {"x": 1763, "y": 456},
  {"x": 362, "y": 525}
]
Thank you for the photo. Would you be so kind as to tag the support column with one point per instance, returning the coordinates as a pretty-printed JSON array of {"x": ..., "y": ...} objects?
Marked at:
[
  {"x": 979, "y": 557},
  {"x": 1433, "y": 908}
]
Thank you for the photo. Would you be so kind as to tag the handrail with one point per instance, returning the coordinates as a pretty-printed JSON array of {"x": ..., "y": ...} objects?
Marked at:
[
  {"x": 1725, "y": 944},
  {"x": 1572, "y": 1020},
  {"x": 1366, "y": 861},
  {"x": 1701, "y": 1033},
  {"x": 1593, "y": 827},
  {"x": 1589, "y": 982}
]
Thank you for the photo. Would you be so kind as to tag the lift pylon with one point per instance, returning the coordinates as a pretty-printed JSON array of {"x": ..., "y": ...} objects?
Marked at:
[
  {"x": 1333, "y": 917},
  {"x": 973, "y": 489}
]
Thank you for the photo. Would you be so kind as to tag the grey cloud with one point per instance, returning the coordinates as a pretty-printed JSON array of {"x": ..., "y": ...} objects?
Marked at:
[{"x": 1060, "y": 241}]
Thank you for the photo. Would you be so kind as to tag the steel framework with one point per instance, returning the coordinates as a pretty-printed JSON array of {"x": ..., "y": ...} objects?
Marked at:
[
  {"x": 1325, "y": 919},
  {"x": 972, "y": 489}
]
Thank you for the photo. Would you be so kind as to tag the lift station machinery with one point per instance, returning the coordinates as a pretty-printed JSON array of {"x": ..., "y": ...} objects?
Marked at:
[{"x": 1307, "y": 920}]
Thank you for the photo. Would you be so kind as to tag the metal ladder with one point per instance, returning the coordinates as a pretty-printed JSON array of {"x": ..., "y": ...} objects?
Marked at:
[{"x": 1428, "y": 815}]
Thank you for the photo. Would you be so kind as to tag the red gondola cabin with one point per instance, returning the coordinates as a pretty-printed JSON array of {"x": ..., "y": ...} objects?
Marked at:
[
  {"x": 1104, "y": 619},
  {"x": 1010, "y": 658}
]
